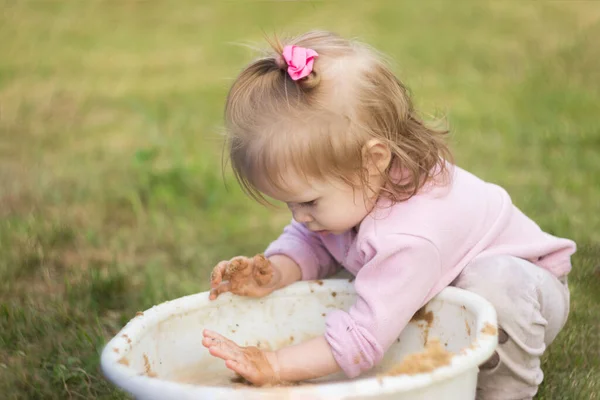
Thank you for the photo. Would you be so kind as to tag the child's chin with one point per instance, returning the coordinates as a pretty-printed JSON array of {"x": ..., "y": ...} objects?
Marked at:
[{"x": 326, "y": 232}]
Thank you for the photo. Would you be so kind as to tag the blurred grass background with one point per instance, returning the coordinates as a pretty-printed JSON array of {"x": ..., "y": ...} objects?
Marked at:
[{"x": 111, "y": 194}]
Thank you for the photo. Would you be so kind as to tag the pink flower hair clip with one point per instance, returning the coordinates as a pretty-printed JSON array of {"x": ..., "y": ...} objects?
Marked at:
[{"x": 299, "y": 61}]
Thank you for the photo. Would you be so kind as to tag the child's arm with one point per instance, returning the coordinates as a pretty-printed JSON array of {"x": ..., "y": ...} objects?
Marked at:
[
  {"x": 306, "y": 249},
  {"x": 267, "y": 367},
  {"x": 401, "y": 273},
  {"x": 297, "y": 254},
  {"x": 398, "y": 277},
  {"x": 286, "y": 271},
  {"x": 293, "y": 365}
]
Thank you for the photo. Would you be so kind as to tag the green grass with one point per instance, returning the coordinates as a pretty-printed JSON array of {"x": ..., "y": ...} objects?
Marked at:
[{"x": 111, "y": 195}]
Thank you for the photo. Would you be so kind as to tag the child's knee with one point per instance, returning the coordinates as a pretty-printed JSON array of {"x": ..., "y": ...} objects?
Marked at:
[
  {"x": 531, "y": 305},
  {"x": 504, "y": 282},
  {"x": 528, "y": 299}
]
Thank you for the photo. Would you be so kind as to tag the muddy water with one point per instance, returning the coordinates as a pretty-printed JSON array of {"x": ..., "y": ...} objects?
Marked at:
[
  {"x": 199, "y": 376},
  {"x": 196, "y": 376}
]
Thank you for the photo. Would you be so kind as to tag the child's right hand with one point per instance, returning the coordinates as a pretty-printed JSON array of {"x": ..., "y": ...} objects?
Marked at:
[{"x": 243, "y": 276}]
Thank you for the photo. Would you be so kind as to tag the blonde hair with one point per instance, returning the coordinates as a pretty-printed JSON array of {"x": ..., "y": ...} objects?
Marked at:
[{"x": 317, "y": 126}]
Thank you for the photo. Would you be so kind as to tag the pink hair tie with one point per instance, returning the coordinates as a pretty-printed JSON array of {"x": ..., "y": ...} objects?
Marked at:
[{"x": 299, "y": 60}]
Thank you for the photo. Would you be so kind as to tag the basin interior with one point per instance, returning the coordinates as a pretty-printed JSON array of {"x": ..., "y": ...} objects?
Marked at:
[{"x": 171, "y": 349}]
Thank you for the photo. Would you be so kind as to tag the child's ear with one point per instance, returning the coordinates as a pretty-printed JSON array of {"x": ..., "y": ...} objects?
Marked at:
[{"x": 376, "y": 157}]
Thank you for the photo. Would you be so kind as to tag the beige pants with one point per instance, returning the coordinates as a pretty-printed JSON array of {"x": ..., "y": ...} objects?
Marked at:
[{"x": 532, "y": 306}]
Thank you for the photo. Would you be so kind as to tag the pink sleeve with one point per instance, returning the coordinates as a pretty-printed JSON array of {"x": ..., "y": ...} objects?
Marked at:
[
  {"x": 396, "y": 280},
  {"x": 306, "y": 249}
]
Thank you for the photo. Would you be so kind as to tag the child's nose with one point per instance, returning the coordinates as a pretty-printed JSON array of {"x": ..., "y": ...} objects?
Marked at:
[{"x": 301, "y": 216}]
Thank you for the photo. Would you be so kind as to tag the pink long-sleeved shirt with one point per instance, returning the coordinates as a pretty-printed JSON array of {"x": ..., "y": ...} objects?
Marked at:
[{"x": 404, "y": 255}]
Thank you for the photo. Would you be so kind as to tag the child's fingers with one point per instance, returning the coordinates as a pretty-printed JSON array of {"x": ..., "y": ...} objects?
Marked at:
[
  {"x": 238, "y": 267},
  {"x": 208, "y": 342},
  {"x": 222, "y": 288},
  {"x": 214, "y": 335},
  {"x": 225, "y": 351},
  {"x": 220, "y": 346},
  {"x": 263, "y": 272},
  {"x": 209, "y": 333},
  {"x": 242, "y": 369},
  {"x": 216, "y": 277}
]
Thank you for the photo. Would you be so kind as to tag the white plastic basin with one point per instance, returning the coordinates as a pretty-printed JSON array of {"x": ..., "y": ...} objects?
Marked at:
[{"x": 159, "y": 354}]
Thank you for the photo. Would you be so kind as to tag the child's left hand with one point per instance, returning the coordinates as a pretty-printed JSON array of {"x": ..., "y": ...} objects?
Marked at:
[{"x": 256, "y": 366}]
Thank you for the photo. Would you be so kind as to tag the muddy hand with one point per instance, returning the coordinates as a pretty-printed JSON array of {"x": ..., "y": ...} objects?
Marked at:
[
  {"x": 251, "y": 363},
  {"x": 243, "y": 276}
]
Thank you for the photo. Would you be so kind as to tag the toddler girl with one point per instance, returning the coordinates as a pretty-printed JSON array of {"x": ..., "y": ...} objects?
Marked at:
[{"x": 323, "y": 125}]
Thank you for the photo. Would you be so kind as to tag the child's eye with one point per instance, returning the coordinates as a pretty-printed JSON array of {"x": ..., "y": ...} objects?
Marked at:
[{"x": 309, "y": 203}]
